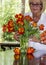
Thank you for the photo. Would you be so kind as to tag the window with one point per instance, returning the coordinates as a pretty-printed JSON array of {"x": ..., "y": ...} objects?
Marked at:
[{"x": 9, "y": 8}]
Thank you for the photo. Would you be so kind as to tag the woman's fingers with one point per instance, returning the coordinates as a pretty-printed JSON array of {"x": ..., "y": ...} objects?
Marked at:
[
  {"x": 34, "y": 39},
  {"x": 16, "y": 36},
  {"x": 17, "y": 33}
]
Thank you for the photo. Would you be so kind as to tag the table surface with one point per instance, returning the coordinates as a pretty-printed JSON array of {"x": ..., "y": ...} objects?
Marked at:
[
  {"x": 30, "y": 60},
  {"x": 9, "y": 58}
]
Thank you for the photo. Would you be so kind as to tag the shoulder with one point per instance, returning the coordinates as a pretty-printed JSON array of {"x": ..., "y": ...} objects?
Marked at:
[
  {"x": 28, "y": 13},
  {"x": 44, "y": 15},
  {"x": 43, "y": 18}
]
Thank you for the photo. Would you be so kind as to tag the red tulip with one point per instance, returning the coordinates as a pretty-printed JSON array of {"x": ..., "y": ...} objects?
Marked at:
[{"x": 21, "y": 30}]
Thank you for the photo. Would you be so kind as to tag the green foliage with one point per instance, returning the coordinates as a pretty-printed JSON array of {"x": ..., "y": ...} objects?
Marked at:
[
  {"x": 29, "y": 30},
  {"x": 8, "y": 36}
]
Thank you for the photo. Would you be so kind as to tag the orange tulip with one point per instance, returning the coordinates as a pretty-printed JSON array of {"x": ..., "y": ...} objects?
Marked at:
[
  {"x": 30, "y": 57},
  {"x": 10, "y": 23},
  {"x": 30, "y": 50},
  {"x": 17, "y": 51},
  {"x": 28, "y": 18},
  {"x": 21, "y": 30},
  {"x": 41, "y": 27},
  {"x": 20, "y": 16},
  {"x": 20, "y": 22},
  {"x": 17, "y": 57},
  {"x": 16, "y": 16},
  {"x": 43, "y": 36},
  {"x": 45, "y": 33},
  {"x": 11, "y": 29},
  {"x": 34, "y": 24}
]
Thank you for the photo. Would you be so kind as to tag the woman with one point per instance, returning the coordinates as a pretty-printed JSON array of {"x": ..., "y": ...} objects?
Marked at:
[
  {"x": 37, "y": 13},
  {"x": 37, "y": 8}
]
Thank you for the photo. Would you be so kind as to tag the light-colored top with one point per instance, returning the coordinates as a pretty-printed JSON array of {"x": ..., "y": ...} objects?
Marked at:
[
  {"x": 42, "y": 19},
  {"x": 37, "y": 45}
]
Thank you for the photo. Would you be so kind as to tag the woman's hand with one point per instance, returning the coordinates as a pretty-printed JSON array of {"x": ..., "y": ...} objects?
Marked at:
[
  {"x": 16, "y": 36},
  {"x": 34, "y": 39}
]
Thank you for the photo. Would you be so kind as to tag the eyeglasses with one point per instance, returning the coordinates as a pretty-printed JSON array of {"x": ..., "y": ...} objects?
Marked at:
[{"x": 37, "y": 4}]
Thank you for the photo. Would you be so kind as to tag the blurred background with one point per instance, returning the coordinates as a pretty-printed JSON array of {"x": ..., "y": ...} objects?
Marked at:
[{"x": 12, "y": 7}]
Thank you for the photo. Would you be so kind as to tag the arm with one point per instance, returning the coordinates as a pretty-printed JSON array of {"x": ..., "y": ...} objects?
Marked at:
[{"x": 36, "y": 44}]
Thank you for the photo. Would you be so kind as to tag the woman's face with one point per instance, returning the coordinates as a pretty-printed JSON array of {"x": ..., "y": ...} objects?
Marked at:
[{"x": 35, "y": 6}]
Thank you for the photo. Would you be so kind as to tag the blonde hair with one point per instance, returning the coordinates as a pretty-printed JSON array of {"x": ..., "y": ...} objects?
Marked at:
[{"x": 44, "y": 4}]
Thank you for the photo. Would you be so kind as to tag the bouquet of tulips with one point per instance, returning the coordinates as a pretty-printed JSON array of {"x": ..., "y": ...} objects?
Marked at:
[{"x": 24, "y": 25}]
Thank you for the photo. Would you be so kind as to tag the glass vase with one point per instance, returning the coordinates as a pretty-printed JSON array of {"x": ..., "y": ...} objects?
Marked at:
[{"x": 23, "y": 47}]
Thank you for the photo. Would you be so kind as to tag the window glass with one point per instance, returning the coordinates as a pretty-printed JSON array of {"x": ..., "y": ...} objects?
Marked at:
[{"x": 9, "y": 8}]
